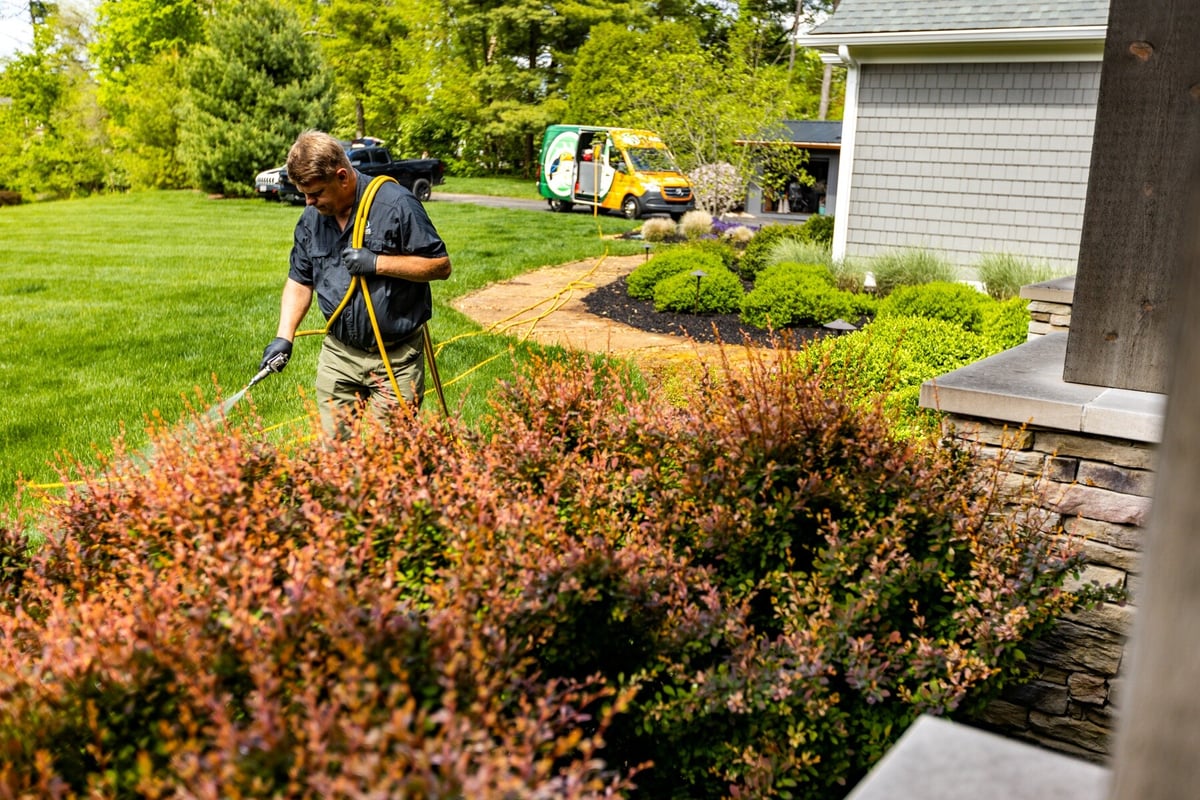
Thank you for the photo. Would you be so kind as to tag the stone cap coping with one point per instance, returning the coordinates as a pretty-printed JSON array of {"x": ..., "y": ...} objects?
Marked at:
[
  {"x": 1024, "y": 385},
  {"x": 937, "y": 759},
  {"x": 1056, "y": 290}
]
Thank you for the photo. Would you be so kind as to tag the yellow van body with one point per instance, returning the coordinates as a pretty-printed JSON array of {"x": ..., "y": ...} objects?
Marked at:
[{"x": 627, "y": 170}]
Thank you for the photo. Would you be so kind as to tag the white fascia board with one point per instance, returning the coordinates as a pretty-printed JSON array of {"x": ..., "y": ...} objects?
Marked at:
[
  {"x": 964, "y": 36},
  {"x": 1076, "y": 43}
]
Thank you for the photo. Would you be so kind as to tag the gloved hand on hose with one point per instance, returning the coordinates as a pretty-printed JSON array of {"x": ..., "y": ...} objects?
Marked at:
[
  {"x": 276, "y": 355},
  {"x": 359, "y": 260}
]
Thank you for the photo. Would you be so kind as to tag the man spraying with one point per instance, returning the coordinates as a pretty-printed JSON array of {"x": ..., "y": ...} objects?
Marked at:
[{"x": 401, "y": 253}]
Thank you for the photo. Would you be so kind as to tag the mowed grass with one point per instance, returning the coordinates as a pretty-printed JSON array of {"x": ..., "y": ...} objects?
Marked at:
[
  {"x": 492, "y": 186},
  {"x": 119, "y": 310}
]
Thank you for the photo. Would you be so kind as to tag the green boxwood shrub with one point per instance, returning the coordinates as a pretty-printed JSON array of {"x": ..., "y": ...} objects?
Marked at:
[
  {"x": 818, "y": 229},
  {"x": 723, "y": 249},
  {"x": 957, "y": 303},
  {"x": 1005, "y": 323},
  {"x": 891, "y": 357},
  {"x": 789, "y": 294},
  {"x": 720, "y": 292},
  {"x": 686, "y": 258},
  {"x": 756, "y": 256}
]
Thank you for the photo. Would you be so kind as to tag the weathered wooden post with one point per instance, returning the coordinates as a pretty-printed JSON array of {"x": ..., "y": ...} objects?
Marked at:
[
  {"x": 1137, "y": 325},
  {"x": 1146, "y": 144}
]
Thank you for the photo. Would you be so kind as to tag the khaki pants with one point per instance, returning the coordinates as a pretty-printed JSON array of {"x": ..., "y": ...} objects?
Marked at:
[{"x": 349, "y": 378}]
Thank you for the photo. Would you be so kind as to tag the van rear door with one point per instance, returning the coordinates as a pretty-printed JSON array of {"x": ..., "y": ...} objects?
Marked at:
[{"x": 594, "y": 175}]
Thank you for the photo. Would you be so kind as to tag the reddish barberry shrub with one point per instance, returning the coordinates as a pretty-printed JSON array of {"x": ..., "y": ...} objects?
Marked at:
[
  {"x": 235, "y": 621},
  {"x": 595, "y": 594}
]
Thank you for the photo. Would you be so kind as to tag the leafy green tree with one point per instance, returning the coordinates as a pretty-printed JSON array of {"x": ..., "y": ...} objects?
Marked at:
[
  {"x": 143, "y": 124},
  {"x": 138, "y": 50},
  {"x": 250, "y": 91},
  {"x": 133, "y": 32},
  {"x": 517, "y": 55},
  {"x": 51, "y": 135},
  {"x": 702, "y": 102}
]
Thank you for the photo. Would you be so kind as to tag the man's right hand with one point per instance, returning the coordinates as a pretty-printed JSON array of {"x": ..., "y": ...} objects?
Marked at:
[{"x": 276, "y": 355}]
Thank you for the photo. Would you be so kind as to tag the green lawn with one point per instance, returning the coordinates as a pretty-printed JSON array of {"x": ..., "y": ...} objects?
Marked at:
[
  {"x": 502, "y": 186},
  {"x": 122, "y": 308}
]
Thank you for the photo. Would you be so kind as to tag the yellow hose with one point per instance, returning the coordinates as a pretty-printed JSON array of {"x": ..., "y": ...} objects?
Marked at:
[{"x": 360, "y": 282}]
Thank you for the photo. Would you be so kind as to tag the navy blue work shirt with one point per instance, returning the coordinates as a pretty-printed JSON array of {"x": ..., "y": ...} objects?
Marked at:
[{"x": 396, "y": 225}]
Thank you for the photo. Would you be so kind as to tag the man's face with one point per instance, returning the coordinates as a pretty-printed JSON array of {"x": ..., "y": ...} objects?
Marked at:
[{"x": 330, "y": 197}]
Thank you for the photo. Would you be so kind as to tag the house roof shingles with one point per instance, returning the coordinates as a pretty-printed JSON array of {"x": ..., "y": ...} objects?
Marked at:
[{"x": 873, "y": 16}]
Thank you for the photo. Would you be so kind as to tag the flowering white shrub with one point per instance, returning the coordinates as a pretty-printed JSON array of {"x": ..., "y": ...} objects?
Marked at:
[{"x": 718, "y": 187}]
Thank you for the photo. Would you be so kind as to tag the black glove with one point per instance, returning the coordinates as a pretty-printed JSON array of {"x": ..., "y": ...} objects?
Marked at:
[
  {"x": 276, "y": 355},
  {"x": 359, "y": 260}
]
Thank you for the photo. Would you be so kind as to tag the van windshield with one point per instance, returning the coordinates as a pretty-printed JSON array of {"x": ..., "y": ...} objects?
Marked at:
[{"x": 651, "y": 159}]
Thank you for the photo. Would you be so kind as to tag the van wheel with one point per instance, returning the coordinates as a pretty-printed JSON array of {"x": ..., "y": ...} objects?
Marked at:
[
  {"x": 422, "y": 190},
  {"x": 631, "y": 208},
  {"x": 557, "y": 205}
]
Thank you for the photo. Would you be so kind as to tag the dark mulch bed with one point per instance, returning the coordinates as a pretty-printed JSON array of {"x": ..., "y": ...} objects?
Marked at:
[{"x": 613, "y": 301}]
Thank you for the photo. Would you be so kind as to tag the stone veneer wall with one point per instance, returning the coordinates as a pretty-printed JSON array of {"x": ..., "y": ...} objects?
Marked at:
[
  {"x": 1087, "y": 455},
  {"x": 1050, "y": 305},
  {"x": 1099, "y": 490}
]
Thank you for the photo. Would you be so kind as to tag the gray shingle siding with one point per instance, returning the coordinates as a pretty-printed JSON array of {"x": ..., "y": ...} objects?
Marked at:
[
  {"x": 877, "y": 16},
  {"x": 968, "y": 159}
]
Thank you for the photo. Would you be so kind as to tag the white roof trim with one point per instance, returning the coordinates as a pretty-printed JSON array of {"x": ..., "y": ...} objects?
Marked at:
[{"x": 1074, "y": 33}]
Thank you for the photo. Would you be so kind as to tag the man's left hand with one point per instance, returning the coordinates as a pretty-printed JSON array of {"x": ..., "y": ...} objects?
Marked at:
[{"x": 359, "y": 260}]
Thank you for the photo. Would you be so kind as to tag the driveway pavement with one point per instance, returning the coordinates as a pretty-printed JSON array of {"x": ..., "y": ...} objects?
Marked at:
[{"x": 536, "y": 203}]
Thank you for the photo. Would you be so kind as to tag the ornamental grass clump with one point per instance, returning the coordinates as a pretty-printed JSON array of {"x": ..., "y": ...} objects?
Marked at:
[
  {"x": 659, "y": 229},
  {"x": 696, "y": 224},
  {"x": 909, "y": 267},
  {"x": 596, "y": 594},
  {"x": 1003, "y": 274}
]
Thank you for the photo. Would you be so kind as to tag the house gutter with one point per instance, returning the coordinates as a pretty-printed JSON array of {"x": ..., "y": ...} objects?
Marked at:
[
  {"x": 1053, "y": 35},
  {"x": 1080, "y": 43}
]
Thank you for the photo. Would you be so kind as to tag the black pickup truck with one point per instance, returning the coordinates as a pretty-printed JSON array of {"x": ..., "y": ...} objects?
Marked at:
[{"x": 370, "y": 157}]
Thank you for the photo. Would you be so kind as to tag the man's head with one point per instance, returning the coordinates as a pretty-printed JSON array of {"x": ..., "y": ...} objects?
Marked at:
[{"x": 320, "y": 168}]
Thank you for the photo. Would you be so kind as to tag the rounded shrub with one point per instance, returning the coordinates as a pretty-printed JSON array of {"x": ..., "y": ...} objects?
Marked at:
[
  {"x": 818, "y": 229},
  {"x": 787, "y": 584},
  {"x": 891, "y": 357},
  {"x": 721, "y": 248},
  {"x": 718, "y": 291},
  {"x": 1006, "y": 324},
  {"x": 953, "y": 302},
  {"x": 795, "y": 294},
  {"x": 756, "y": 256},
  {"x": 641, "y": 282}
]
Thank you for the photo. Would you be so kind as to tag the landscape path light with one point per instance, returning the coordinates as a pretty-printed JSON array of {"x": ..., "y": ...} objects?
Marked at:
[{"x": 697, "y": 274}]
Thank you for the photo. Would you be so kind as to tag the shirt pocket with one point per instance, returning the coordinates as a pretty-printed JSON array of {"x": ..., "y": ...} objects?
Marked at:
[{"x": 385, "y": 244}]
